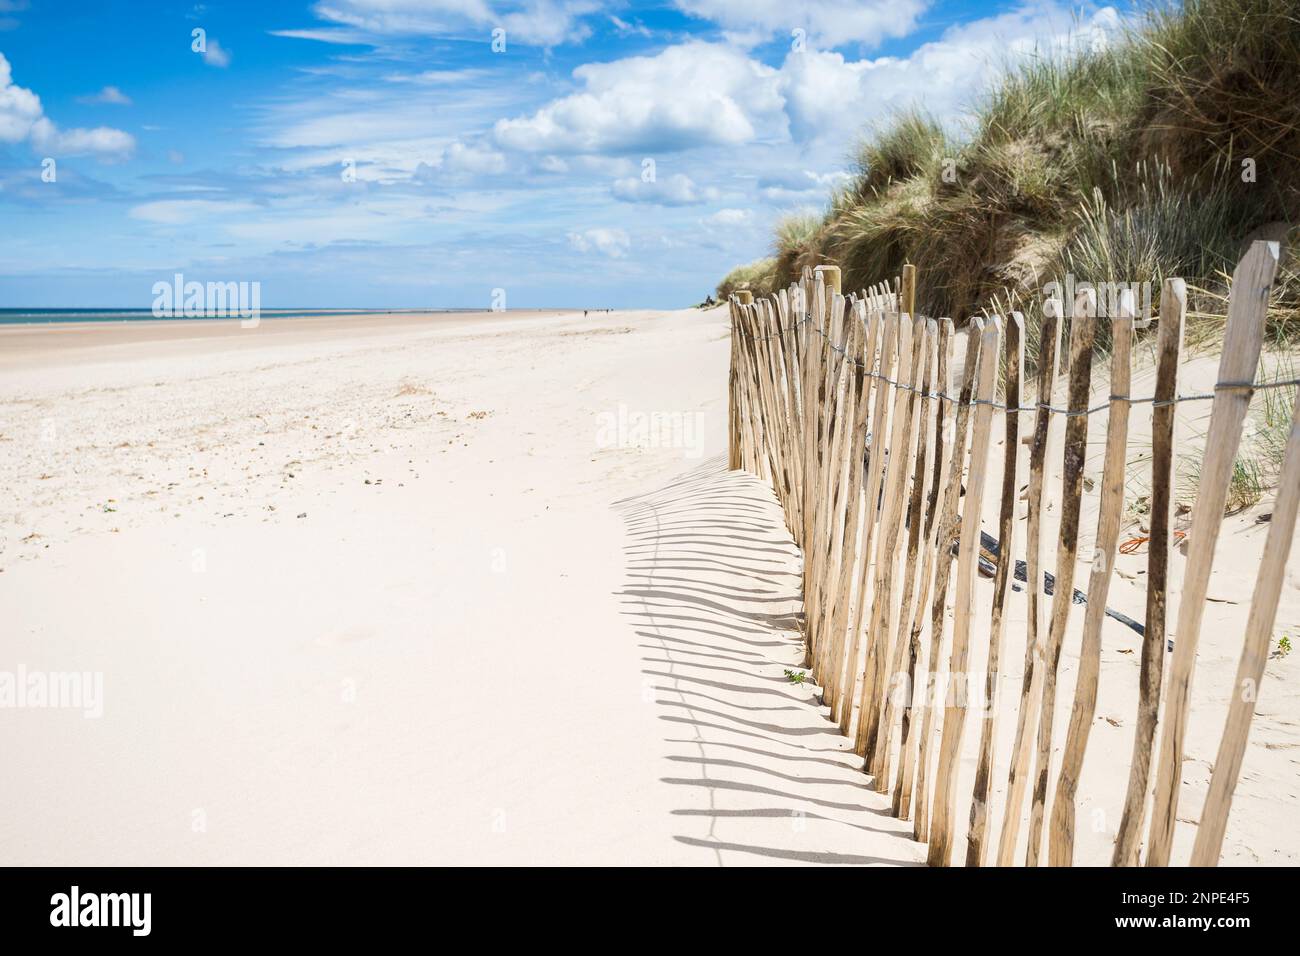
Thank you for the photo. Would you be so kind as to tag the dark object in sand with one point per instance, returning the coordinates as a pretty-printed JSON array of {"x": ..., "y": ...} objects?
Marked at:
[{"x": 989, "y": 551}]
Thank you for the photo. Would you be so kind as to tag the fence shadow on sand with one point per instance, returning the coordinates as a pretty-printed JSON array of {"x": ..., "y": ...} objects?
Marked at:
[{"x": 712, "y": 589}]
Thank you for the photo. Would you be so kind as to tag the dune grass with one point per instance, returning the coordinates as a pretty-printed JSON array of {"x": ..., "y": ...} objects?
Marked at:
[{"x": 1161, "y": 154}]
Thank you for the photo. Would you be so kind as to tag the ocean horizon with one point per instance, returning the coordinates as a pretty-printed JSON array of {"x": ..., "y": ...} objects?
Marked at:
[{"x": 22, "y": 316}]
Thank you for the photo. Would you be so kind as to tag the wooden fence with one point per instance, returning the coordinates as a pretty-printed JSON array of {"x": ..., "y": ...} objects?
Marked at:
[{"x": 847, "y": 405}]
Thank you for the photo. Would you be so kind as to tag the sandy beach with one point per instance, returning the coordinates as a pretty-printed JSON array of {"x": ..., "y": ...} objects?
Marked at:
[{"x": 474, "y": 589}]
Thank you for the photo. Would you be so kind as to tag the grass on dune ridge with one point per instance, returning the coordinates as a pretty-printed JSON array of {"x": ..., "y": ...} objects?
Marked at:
[{"x": 1162, "y": 154}]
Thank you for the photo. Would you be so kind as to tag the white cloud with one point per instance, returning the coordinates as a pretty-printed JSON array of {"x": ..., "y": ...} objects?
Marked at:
[
  {"x": 688, "y": 95},
  {"x": 435, "y": 77},
  {"x": 537, "y": 22},
  {"x": 829, "y": 22},
  {"x": 458, "y": 157},
  {"x": 676, "y": 190},
  {"x": 700, "y": 94},
  {"x": 19, "y": 108},
  {"x": 214, "y": 54},
  {"x": 801, "y": 185},
  {"x": 611, "y": 242},
  {"x": 821, "y": 88},
  {"x": 23, "y": 119},
  {"x": 342, "y": 37},
  {"x": 628, "y": 29},
  {"x": 110, "y": 95},
  {"x": 175, "y": 212},
  {"x": 728, "y": 217}
]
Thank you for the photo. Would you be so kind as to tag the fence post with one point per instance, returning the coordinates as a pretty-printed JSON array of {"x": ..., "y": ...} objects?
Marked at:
[
  {"x": 893, "y": 628},
  {"x": 1049, "y": 341},
  {"x": 920, "y": 675},
  {"x": 1014, "y": 351},
  {"x": 831, "y": 682},
  {"x": 886, "y": 557},
  {"x": 830, "y": 440},
  {"x": 947, "y": 531},
  {"x": 814, "y": 297},
  {"x": 1083, "y": 335},
  {"x": 1169, "y": 350},
  {"x": 829, "y": 275},
  {"x": 954, "y": 712},
  {"x": 787, "y": 342},
  {"x": 842, "y": 421},
  {"x": 875, "y": 465},
  {"x": 909, "y": 642},
  {"x": 1060, "y": 846},
  {"x": 733, "y": 384},
  {"x": 1254, "y": 653},
  {"x": 1243, "y": 339}
]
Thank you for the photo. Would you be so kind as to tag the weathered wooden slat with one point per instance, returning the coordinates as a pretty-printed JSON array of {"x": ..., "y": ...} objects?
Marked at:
[
  {"x": 814, "y": 298},
  {"x": 733, "y": 385},
  {"x": 944, "y": 409},
  {"x": 1242, "y": 341},
  {"x": 816, "y": 398},
  {"x": 1060, "y": 846},
  {"x": 775, "y": 374},
  {"x": 910, "y": 643},
  {"x": 835, "y": 445},
  {"x": 1083, "y": 335},
  {"x": 1169, "y": 350},
  {"x": 875, "y": 470},
  {"x": 758, "y": 463},
  {"x": 947, "y": 531},
  {"x": 864, "y": 344},
  {"x": 912, "y": 467},
  {"x": 954, "y": 712},
  {"x": 840, "y": 498},
  {"x": 886, "y": 559},
  {"x": 1049, "y": 341},
  {"x": 1254, "y": 654},
  {"x": 772, "y": 425},
  {"x": 786, "y": 322},
  {"x": 1014, "y": 361}
]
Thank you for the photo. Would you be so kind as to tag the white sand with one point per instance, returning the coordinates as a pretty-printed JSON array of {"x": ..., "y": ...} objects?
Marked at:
[
  {"x": 474, "y": 661},
  {"x": 526, "y": 640}
]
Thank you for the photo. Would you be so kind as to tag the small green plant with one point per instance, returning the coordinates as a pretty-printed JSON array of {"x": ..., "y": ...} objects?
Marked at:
[
  {"x": 795, "y": 677},
  {"x": 1283, "y": 646}
]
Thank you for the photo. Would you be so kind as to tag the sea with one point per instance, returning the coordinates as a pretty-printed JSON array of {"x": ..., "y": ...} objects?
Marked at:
[{"x": 43, "y": 316}]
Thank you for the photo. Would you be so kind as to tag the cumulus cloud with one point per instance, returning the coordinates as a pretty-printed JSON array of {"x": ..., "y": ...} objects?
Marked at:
[
  {"x": 611, "y": 242},
  {"x": 828, "y": 22},
  {"x": 700, "y": 94},
  {"x": 23, "y": 119},
  {"x": 676, "y": 190},
  {"x": 688, "y": 95},
  {"x": 821, "y": 87}
]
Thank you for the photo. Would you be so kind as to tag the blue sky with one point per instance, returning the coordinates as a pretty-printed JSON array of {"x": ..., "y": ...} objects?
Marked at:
[{"x": 613, "y": 154}]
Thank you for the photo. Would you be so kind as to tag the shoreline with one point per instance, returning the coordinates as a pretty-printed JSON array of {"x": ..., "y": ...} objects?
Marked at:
[{"x": 23, "y": 343}]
